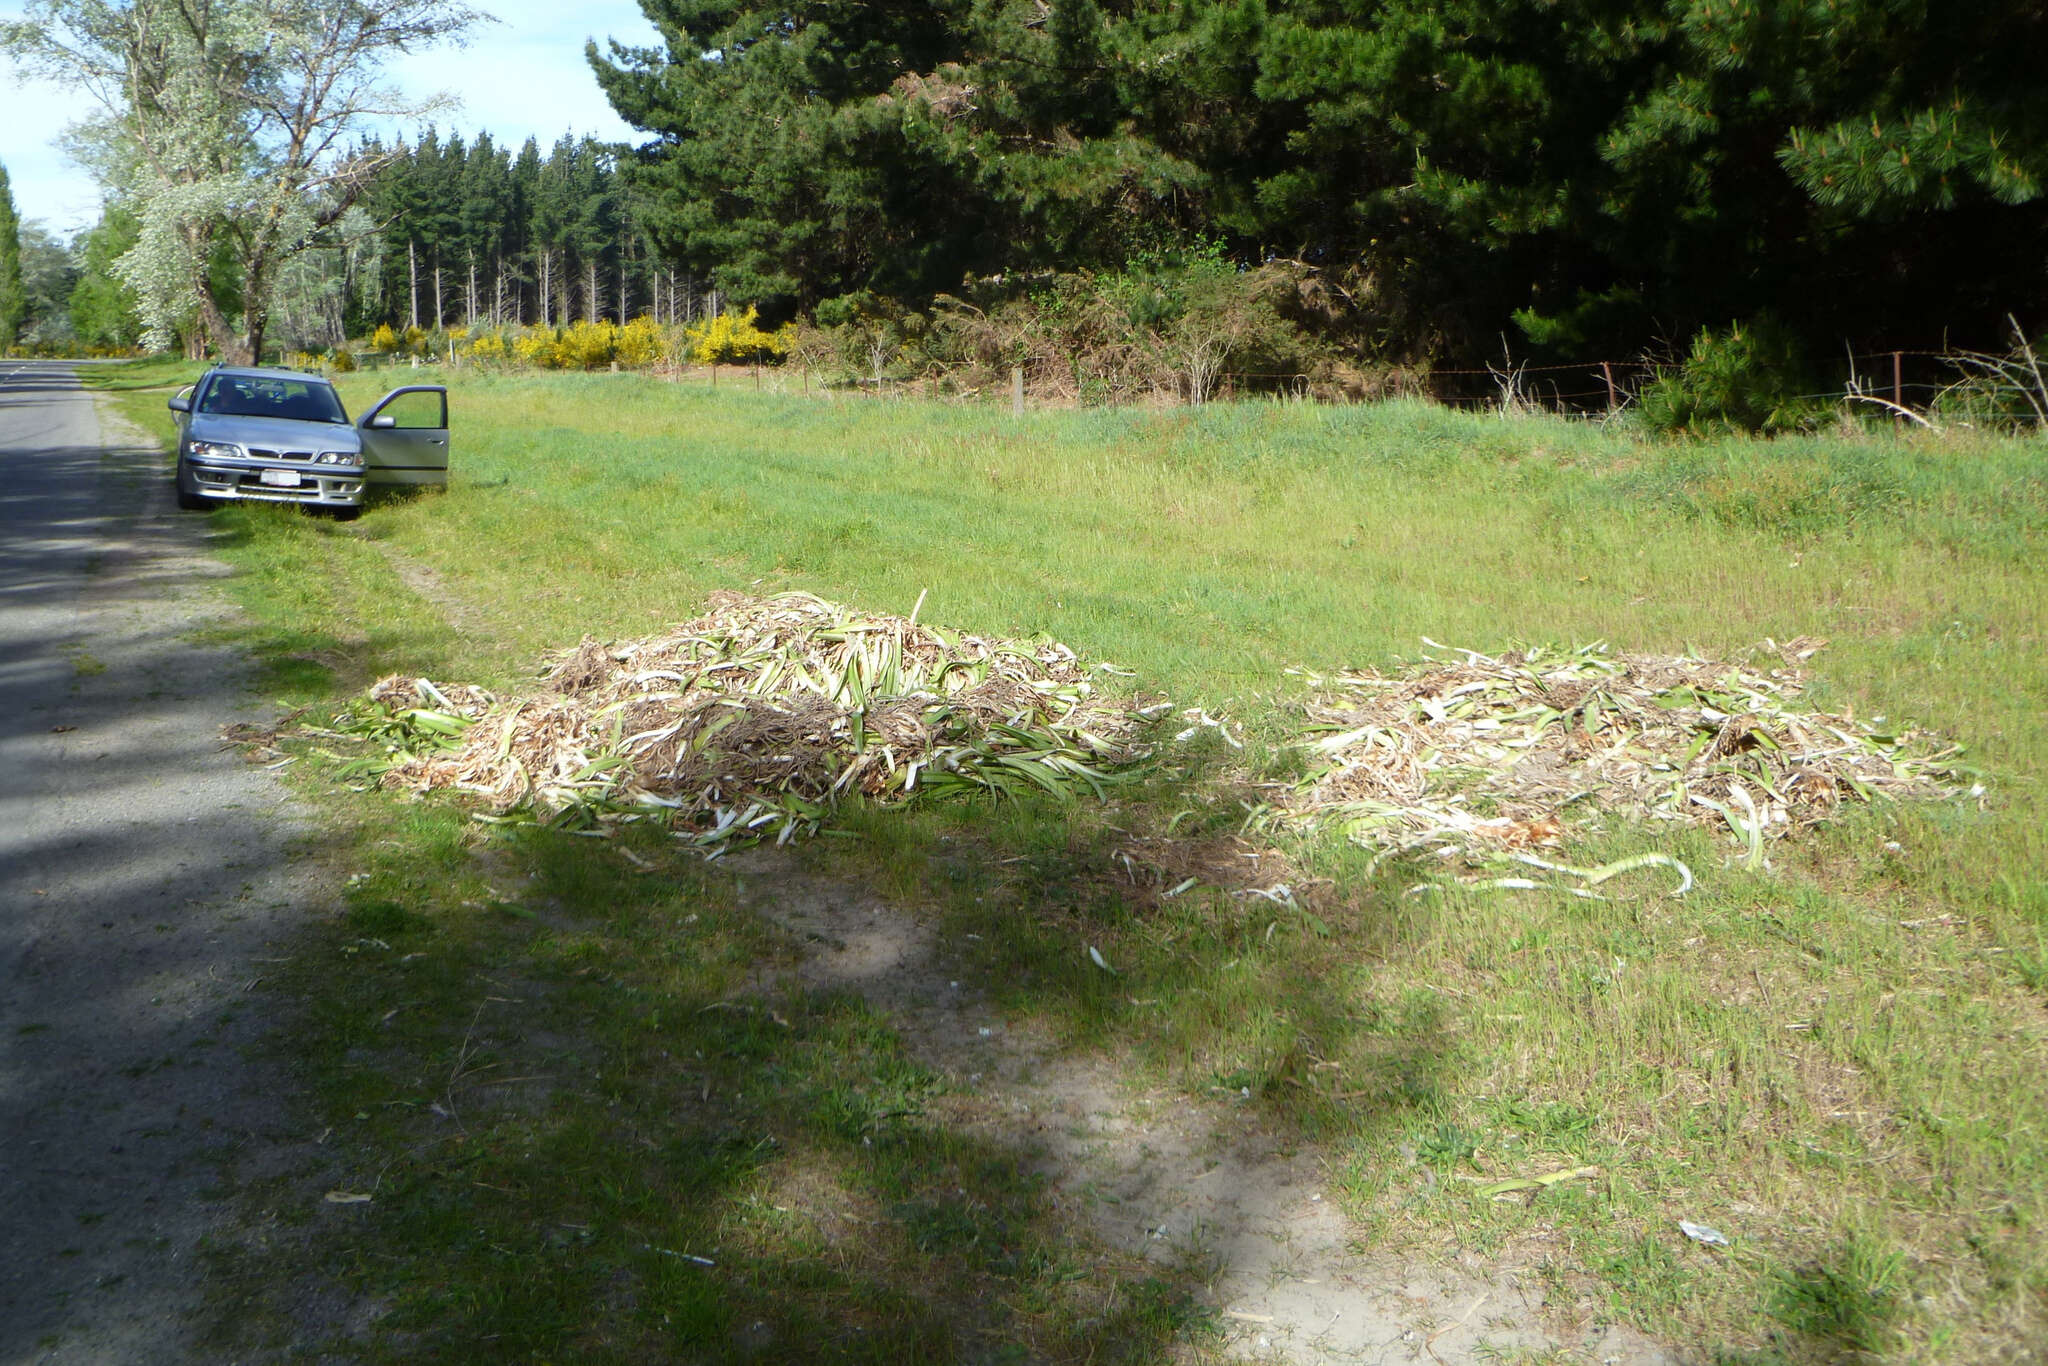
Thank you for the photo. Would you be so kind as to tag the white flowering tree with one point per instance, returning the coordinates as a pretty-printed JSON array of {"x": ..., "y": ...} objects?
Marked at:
[{"x": 229, "y": 126}]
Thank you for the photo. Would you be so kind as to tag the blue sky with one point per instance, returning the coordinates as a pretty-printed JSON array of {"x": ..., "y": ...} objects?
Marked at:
[{"x": 523, "y": 76}]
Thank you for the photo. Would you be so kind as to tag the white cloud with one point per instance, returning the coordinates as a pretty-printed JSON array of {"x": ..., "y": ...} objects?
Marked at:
[{"x": 522, "y": 77}]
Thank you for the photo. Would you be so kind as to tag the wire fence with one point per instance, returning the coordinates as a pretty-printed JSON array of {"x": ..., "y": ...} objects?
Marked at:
[
  {"x": 1904, "y": 379},
  {"x": 1907, "y": 381},
  {"x": 1910, "y": 380}
]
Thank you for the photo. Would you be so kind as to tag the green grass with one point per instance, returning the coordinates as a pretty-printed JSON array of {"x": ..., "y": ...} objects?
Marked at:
[{"x": 1840, "y": 1063}]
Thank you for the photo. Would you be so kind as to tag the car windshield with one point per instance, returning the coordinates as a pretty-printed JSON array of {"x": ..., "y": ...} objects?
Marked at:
[{"x": 260, "y": 396}]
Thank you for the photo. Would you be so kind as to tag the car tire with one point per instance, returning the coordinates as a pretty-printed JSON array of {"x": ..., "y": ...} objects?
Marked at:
[{"x": 347, "y": 514}]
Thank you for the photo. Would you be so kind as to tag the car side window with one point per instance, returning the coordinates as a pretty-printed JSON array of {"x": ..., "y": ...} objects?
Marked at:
[{"x": 417, "y": 411}]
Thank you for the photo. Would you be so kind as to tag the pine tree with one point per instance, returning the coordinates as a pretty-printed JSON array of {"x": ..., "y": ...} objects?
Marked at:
[
  {"x": 13, "y": 303},
  {"x": 1600, "y": 172},
  {"x": 483, "y": 211},
  {"x": 519, "y": 234}
]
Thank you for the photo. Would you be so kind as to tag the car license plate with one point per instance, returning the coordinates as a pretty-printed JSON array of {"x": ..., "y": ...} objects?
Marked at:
[{"x": 281, "y": 479}]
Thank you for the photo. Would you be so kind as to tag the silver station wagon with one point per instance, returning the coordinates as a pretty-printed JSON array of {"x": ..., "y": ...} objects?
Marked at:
[{"x": 280, "y": 436}]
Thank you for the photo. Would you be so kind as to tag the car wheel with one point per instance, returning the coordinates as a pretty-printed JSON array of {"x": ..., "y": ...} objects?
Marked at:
[{"x": 347, "y": 514}]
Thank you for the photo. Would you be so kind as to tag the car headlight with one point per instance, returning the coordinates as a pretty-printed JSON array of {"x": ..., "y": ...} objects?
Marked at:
[
  {"x": 217, "y": 448},
  {"x": 337, "y": 458}
]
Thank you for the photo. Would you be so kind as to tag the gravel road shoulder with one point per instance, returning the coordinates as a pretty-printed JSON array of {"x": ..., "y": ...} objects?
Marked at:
[{"x": 145, "y": 872}]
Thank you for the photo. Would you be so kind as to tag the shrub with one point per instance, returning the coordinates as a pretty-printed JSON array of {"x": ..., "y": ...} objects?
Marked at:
[
  {"x": 640, "y": 343},
  {"x": 537, "y": 348},
  {"x": 586, "y": 346},
  {"x": 1168, "y": 323},
  {"x": 384, "y": 339},
  {"x": 868, "y": 335},
  {"x": 343, "y": 361},
  {"x": 1749, "y": 378},
  {"x": 737, "y": 339},
  {"x": 489, "y": 347}
]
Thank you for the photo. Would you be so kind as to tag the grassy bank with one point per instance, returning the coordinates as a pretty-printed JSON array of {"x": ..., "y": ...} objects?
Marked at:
[{"x": 1839, "y": 1062}]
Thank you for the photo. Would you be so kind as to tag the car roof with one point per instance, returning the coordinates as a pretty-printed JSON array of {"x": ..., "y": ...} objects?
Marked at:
[{"x": 262, "y": 372}]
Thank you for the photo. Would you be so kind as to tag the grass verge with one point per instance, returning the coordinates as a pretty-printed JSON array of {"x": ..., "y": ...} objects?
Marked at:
[{"x": 1838, "y": 1064}]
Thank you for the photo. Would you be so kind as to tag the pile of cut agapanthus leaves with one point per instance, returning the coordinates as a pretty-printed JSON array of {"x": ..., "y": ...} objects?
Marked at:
[
  {"x": 1492, "y": 757},
  {"x": 751, "y": 720}
]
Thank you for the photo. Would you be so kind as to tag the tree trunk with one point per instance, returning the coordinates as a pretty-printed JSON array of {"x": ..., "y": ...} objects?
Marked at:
[
  {"x": 412, "y": 287},
  {"x": 440, "y": 319},
  {"x": 593, "y": 297},
  {"x": 213, "y": 332},
  {"x": 469, "y": 314},
  {"x": 248, "y": 350}
]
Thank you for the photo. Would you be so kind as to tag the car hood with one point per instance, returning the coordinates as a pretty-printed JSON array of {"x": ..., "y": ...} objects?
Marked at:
[{"x": 274, "y": 433}]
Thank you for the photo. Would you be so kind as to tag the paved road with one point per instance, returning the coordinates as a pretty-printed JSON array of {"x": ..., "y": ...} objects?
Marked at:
[{"x": 143, "y": 872}]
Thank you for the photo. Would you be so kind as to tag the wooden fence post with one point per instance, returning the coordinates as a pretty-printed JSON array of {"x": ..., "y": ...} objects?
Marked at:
[
  {"x": 1016, "y": 391},
  {"x": 1898, "y": 387},
  {"x": 1607, "y": 372}
]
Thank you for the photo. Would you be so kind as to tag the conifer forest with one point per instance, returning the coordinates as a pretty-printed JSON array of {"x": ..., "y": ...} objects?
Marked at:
[{"x": 1373, "y": 182}]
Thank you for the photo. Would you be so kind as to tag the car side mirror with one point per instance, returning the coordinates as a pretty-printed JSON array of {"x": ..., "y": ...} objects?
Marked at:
[
  {"x": 180, "y": 404},
  {"x": 383, "y": 421}
]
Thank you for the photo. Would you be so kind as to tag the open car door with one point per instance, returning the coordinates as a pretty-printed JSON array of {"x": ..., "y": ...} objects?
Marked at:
[{"x": 405, "y": 437}]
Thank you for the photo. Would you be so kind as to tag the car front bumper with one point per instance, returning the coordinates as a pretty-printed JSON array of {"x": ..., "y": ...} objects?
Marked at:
[{"x": 268, "y": 482}]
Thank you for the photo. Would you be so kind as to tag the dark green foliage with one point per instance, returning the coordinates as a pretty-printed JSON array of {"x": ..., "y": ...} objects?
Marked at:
[
  {"x": 830, "y": 148},
  {"x": 13, "y": 306},
  {"x": 474, "y": 234},
  {"x": 1604, "y": 174},
  {"x": 1748, "y": 378},
  {"x": 36, "y": 273},
  {"x": 102, "y": 307}
]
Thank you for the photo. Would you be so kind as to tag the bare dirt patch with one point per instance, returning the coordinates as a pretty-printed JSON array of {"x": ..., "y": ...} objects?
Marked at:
[
  {"x": 455, "y": 609},
  {"x": 1192, "y": 1183}
]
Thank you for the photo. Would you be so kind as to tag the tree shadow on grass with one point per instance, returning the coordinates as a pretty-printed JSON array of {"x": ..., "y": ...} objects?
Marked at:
[
  {"x": 606, "y": 1117},
  {"x": 1844, "y": 1303}
]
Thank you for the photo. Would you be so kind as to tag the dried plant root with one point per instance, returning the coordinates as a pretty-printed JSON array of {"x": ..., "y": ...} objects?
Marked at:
[
  {"x": 1493, "y": 757},
  {"x": 754, "y": 719}
]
